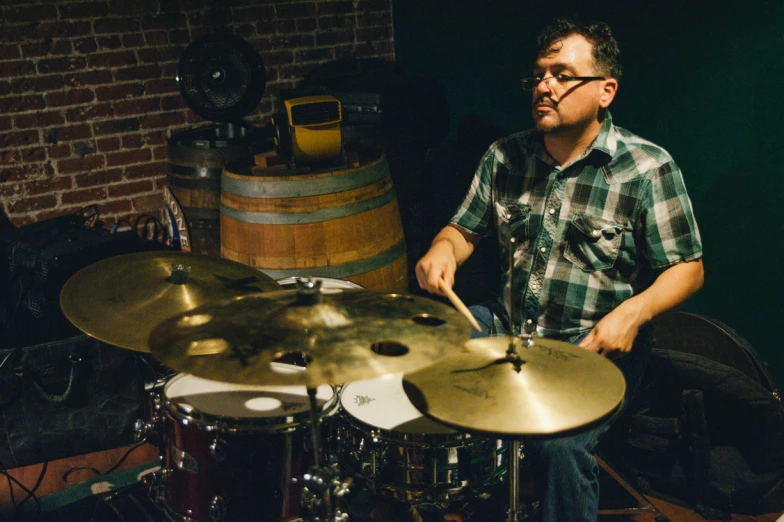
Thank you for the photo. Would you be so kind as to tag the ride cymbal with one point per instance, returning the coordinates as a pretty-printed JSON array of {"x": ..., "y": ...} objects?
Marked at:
[
  {"x": 346, "y": 336},
  {"x": 554, "y": 387},
  {"x": 120, "y": 299}
]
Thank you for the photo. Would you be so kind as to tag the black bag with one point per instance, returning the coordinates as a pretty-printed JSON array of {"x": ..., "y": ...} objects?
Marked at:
[
  {"x": 67, "y": 398},
  {"x": 708, "y": 427}
]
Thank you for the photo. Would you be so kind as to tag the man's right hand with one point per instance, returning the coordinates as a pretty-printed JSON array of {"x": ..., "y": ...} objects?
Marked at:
[{"x": 439, "y": 262}]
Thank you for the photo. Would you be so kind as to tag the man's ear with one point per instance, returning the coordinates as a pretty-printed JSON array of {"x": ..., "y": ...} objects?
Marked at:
[{"x": 608, "y": 92}]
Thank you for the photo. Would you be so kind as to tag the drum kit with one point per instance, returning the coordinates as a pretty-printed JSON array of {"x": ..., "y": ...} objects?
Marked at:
[{"x": 280, "y": 394}]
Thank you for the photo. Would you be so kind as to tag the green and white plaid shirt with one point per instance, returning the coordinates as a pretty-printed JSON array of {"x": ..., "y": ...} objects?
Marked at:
[{"x": 589, "y": 235}]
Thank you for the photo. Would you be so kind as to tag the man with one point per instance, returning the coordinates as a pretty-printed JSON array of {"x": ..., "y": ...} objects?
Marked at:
[{"x": 605, "y": 237}]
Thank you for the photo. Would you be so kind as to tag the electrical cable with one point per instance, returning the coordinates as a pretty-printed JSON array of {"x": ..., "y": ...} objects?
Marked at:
[
  {"x": 38, "y": 482},
  {"x": 4, "y": 471},
  {"x": 127, "y": 453}
]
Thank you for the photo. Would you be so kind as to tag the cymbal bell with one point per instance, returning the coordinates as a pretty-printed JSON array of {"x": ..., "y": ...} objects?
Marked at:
[
  {"x": 120, "y": 299},
  {"x": 555, "y": 387},
  {"x": 349, "y": 335}
]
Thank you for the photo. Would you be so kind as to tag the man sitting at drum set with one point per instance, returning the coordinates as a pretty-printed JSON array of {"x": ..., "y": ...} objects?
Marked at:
[{"x": 604, "y": 238}]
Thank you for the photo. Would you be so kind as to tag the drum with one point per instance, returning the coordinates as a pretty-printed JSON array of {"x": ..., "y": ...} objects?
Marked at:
[
  {"x": 230, "y": 451},
  {"x": 392, "y": 447},
  {"x": 328, "y": 284}
]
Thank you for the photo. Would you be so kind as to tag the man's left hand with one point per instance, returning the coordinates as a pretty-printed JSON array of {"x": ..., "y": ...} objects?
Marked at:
[{"x": 613, "y": 336}]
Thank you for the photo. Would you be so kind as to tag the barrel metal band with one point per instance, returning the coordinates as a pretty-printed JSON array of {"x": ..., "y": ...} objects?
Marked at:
[
  {"x": 345, "y": 270},
  {"x": 193, "y": 177},
  {"x": 306, "y": 186},
  {"x": 316, "y": 216}
]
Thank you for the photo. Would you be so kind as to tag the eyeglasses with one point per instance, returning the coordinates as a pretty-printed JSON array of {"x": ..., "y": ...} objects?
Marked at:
[{"x": 560, "y": 81}]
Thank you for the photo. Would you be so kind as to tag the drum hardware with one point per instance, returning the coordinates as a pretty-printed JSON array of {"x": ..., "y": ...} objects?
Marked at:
[{"x": 119, "y": 299}]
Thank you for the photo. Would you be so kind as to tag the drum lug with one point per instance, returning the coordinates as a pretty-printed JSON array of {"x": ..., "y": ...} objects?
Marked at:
[
  {"x": 217, "y": 508},
  {"x": 219, "y": 449}
]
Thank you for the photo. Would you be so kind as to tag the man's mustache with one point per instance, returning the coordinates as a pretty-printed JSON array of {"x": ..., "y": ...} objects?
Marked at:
[{"x": 545, "y": 101}]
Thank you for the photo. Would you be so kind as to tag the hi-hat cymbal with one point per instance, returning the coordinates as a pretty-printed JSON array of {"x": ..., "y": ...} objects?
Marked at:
[
  {"x": 120, "y": 299},
  {"x": 350, "y": 335},
  {"x": 559, "y": 387}
]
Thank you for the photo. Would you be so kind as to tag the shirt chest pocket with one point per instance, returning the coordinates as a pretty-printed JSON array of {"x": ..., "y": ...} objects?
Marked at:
[
  {"x": 514, "y": 221},
  {"x": 593, "y": 243}
]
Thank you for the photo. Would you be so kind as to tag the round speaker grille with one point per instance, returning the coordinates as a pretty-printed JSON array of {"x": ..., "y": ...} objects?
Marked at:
[{"x": 221, "y": 77}]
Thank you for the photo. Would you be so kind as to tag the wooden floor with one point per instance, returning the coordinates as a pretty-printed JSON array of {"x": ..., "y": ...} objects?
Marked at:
[{"x": 90, "y": 464}]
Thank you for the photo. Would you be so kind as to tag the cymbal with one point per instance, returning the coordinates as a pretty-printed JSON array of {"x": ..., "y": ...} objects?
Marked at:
[
  {"x": 120, "y": 299},
  {"x": 350, "y": 335},
  {"x": 559, "y": 387}
]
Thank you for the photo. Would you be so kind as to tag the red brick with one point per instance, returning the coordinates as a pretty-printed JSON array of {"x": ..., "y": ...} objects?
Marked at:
[
  {"x": 306, "y": 25},
  {"x": 371, "y": 19},
  {"x": 148, "y": 203},
  {"x": 294, "y": 72},
  {"x": 373, "y": 34},
  {"x": 160, "y": 86},
  {"x": 160, "y": 153},
  {"x": 5, "y": 88},
  {"x": 109, "y": 42},
  {"x": 171, "y": 53},
  {"x": 290, "y": 41},
  {"x": 155, "y": 138},
  {"x": 162, "y": 120},
  {"x": 33, "y": 154},
  {"x": 328, "y": 23},
  {"x": 72, "y": 166},
  {"x": 90, "y": 195},
  {"x": 172, "y": 103},
  {"x": 157, "y": 37},
  {"x": 132, "y": 141},
  {"x": 38, "y": 119},
  {"x": 26, "y": 172},
  {"x": 73, "y": 97},
  {"x": 89, "y": 78},
  {"x": 139, "y": 106},
  {"x": 18, "y": 139},
  {"x": 139, "y": 7},
  {"x": 298, "y": 10},
  {"x": 69, "y": 133},
  {"x": 85, "y": 45},
  {"x": 91, "y": 112},
  {"x": 111, "y": 59},
  {"x": 47, "y": 186},
  {"x": 314, "y": 55},
  {"x": 116, "y": 25},
  {"x": 59, "y": 151},
  {"x": 31, "y": 204},
  {"x": 132, "y": 40},
  {"x": 119, "y": 92},
  {"x": 10, "y": 190},
  {"x": 164, "y": 21},
  {"x": 15, "y": 15},
  {"x": 109, "y": 144},
  {"x": 98, "y": 177},
  {"x": 278, "y": 58},
  {"x": 179, "y": 36},
  {"x": 53, "y": 47},
  {"x": 168, "y": 70},
  {"x": 16, "y": 68},
  {"x": 65, "y": 64},
  {"x": 122, "y": 206},
  {"x": 374, "y": 5},
  {"x": 334, "y": 37},
  {"x": 116, "y": 126},
  {"x": 127, "y": 157},
  {"x": 146, "y": 170},
  {"x": 9, "y": 156},
  {"x": 52, "y": 82},
  {"x": 9, "y": 52},
  {"x": 84, "y": 10},
  {"x": 255, "y": 12},
  {"x": 139, "y": 72},
  {"x": 128, "y": 189},
  {"x": 286, "y": 26}
]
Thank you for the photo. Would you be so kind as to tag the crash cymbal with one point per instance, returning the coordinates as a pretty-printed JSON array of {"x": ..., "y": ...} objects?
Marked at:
[
  {"x": 559, "y": 387},
  {"x": 350, "y": 335},
  {"x": 120, "y": 299}
]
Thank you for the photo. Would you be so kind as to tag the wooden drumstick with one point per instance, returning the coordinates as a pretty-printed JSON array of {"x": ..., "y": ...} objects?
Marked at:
[{"x": 463, "y": 309}]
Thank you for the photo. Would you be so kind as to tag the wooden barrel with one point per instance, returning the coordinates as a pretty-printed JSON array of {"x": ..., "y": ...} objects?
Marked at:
[
  {"x": 196, "y": 159},
  {"x": 342, "y": 224}
]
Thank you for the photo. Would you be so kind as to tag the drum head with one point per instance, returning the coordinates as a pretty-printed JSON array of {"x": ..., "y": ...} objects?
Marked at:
[
  {"x": 218, "y": 400},
  {"x": 383, "y": 403}
]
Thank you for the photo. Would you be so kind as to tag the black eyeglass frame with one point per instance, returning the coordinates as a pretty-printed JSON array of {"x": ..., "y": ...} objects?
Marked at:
[{"x": 529, "y": 84}]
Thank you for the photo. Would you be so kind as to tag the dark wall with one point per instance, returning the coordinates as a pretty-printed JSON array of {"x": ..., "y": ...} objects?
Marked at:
[{"x": 704, "y": 82}]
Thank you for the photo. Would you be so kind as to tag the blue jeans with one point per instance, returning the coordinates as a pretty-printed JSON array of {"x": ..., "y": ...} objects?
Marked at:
[{"x": 564, "y": 467}]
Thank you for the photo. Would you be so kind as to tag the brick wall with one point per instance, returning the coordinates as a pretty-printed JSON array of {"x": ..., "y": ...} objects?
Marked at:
[{"x": 88, "y": 94}]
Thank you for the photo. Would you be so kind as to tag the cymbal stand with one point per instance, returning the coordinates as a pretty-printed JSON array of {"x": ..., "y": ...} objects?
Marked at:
[{"x": 322, "y": 487}]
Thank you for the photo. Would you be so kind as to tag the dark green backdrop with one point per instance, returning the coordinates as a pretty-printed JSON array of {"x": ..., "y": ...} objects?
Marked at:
[{"x": 705, "y": 82}]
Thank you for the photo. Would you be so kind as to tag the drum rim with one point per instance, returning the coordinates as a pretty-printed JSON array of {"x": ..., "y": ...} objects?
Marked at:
[{"x": 185, "y": 413}]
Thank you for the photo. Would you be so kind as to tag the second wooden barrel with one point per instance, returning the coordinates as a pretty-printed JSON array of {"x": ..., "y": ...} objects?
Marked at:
[{"x": 342, "y": 224}]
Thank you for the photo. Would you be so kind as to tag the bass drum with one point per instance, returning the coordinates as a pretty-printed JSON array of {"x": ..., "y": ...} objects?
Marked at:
[
  {"x": 388, "y": 444},
  {"x": 230, "y": 451}
]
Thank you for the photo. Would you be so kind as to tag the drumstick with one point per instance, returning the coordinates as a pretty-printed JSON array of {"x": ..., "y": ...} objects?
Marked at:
[{"x": 463, "y": 309}]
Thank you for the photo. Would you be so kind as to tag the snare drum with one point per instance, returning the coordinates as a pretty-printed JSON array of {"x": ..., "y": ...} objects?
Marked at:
[
  {"x": 397, "y": 451},
  {"x": 230, "y": 451}
]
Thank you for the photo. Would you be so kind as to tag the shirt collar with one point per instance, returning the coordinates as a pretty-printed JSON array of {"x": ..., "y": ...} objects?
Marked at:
[{"x": 602, "y": 149}]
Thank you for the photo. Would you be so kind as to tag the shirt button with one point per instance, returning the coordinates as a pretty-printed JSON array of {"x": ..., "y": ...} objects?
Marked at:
[
  {"x": 596, "y": 233},
  {"x": 551, "y": 211},
  {"x": 543, "y": 249},
  {"x": 529, "y": 321}
]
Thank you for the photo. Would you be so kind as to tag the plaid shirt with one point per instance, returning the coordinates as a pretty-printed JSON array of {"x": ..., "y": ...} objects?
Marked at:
[{"x": 588, "y": 235}]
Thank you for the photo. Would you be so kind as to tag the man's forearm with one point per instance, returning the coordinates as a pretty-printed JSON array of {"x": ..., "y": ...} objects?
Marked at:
[
  {"x": 672, "y": 288},
  {"x": 462, "y": 243}
]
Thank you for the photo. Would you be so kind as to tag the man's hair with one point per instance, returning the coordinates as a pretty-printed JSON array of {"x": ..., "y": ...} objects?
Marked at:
[{"x": 605, "y": 49}]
